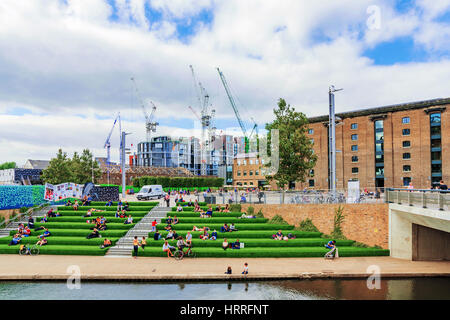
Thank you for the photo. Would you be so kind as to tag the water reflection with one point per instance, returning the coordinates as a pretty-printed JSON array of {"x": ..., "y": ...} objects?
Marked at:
[{"x": 420, "y": 288}]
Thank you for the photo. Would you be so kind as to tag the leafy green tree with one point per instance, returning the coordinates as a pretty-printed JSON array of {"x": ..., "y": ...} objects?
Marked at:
[
  {"x": 59, "y": 169},
  {"x": 88, "y": 167},
  {"x": 296, "y": 156},
  {"x": 7, "y": 165}
]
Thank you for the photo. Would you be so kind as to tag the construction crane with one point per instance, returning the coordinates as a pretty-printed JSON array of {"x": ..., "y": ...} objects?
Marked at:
[
  {"x": 206, "y": 119},
  {"x": 236, "y": 112},
  {"x": 108, "y": 143},
  {"x": 150, "y": 124}
]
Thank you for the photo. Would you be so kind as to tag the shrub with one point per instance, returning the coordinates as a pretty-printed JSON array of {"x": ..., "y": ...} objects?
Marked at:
[
  {"x": 250, "y": 211},
  {"x": 338, "y": 219},
  {"x": 235, "y": 207},
  {"x": 277, "y": 219},
  {"x": 260, "y": 214},
  {"x": 23, "y": 209},
  {"x": 307, "y": 225}
]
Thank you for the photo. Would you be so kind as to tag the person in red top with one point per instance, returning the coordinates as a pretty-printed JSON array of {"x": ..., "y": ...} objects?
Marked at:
[{"x": 154, "y": 223}]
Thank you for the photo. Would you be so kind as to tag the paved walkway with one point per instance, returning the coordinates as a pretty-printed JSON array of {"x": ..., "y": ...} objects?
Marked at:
[{"x": 46, "y": 267}]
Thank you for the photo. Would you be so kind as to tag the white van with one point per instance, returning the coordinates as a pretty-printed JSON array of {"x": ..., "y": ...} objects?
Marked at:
[{"x": 151, "y": 191}]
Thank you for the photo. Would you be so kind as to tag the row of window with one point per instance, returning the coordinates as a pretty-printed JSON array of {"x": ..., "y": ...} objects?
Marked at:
[
  {"x": 406, "y": 144},
  {"x": 251, "y": 161},
  {"x": 354, "y": 126},
  {"x": 406, "y": 168},
  {"x": 250, "y": 173},
  {"x": 245, "y": 183}
]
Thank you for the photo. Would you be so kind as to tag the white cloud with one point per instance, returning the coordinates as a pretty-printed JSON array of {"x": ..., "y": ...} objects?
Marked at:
[{"x": 68, "y": 60}]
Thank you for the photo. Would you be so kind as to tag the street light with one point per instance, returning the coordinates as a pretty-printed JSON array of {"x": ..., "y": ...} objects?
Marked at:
[{"x": 332, "y": 139}]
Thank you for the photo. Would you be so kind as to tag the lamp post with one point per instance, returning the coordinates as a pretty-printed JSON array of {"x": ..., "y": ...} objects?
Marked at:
[
  {"x": 332, "y": 139},
  {"x": 122, "y": 161}
]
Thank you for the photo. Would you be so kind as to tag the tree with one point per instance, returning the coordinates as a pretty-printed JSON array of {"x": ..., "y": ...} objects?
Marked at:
[
  {"x": 59, "y": 169},
  {"x": 7, "y": 165},
  {"x": 296, "y": 156},
  {"x": 79, "y": 169}
]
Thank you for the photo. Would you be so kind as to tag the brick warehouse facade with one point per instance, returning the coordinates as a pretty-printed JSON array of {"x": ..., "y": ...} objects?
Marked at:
[{"x": 386, "y": 146}]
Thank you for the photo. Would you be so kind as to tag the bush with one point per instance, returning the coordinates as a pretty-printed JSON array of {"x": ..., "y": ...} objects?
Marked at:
[
  {"x": 260, "y": 214},
  {"x": 307, "y": 225},
  {"x": 23, "y": 209},
  {"x": 277, "y": 219},
  {"x": 250, "y": 211},
  {"x": 235, "y": 207},
  {"x": 338, "y": 219}
]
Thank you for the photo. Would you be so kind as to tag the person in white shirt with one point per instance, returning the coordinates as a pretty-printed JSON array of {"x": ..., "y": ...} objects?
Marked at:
[
  {"x": 168, "y": 248},
  {"x": 129, "y": 220}
]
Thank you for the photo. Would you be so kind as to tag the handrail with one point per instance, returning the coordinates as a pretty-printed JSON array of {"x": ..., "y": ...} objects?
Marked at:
[
  {"x": 418, "y": 190},
  {"x": 5, "y": 223}
]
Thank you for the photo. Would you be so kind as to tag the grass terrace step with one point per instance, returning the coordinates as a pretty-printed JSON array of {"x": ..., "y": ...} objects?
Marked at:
[
  {"x": 59, "y": 250},
  {"x": 113, "y": 209},
  {"x": 197, "y": 214},
  {"x": 239, "y": 226},
  {"x": 98, "y": 214},
  {"x": 269, "y": 252},
  {"x": 76, "y": 233},
  {"x": 77, "y": 225},
  {"x": 254, "y": 234},
  {"x": 62, "y": 240},
  {"x": 192, "y": 208},
  {"x": 222, "y": 220},
  {"x": 255, "y": 243},
  {"x": 131, "y": 203},
  {"x": 84, "y": 219}
]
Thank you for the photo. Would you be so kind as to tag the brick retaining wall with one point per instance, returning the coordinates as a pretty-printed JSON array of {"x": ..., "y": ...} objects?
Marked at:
[{"x": 365, "y": 223}]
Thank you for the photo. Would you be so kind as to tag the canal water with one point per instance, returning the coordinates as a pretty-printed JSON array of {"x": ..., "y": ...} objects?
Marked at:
[{"x": 393, "y": 289}]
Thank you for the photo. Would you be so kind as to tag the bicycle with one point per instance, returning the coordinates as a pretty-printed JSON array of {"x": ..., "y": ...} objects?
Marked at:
[
  {"x": 180, "y": 254},
  {"x": 26, "y": 250}
]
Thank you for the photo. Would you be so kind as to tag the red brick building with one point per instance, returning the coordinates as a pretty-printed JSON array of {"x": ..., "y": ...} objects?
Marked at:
[{"x": 386, "y": 146}]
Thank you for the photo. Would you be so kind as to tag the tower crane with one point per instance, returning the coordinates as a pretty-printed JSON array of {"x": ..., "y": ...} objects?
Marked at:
[
  {"x": 206, "y": 119},
  {"x": 236, "y": 112},
  {"x": 150, "y": 124},
  {"x": 108, "y": 143}
]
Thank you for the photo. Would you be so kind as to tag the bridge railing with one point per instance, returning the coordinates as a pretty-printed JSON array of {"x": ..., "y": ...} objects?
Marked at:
[{"x": 426, "y": 198}]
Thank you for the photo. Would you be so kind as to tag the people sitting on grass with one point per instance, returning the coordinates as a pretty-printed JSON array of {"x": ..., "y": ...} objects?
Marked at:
[
  {"x": 50, "y": 213},
  {"x": 244, "y": 216},
  {"x": 168, "y": 227},
  {"x": 225, "y": 228},
  {"x": 278, "y": 235},
  {"x": 333, "y": 249},
  {"x": 42, "y": 242},
  {"x": 168, "y": 248},
  {"x": 39, "y": 228},
  {"x": 75, "y": 205},
  {"x": 179, "y": 208},
  {"x": 68, "y": 203},
  {"x": 213, "y": 235},
  {"x": 189, "y": 238},
  {"x": 15, "y": 240},
  {"x": 126, "y": 206},
  {"x": 106, "y": 243},
  {"x": 209, "y": 212},
  {"x": 190, "y": 203},
  {"x": 120, "y": 205},
  {"x": 26, "y": 232},
  {"x": 204, "y": 215},
  {"x": 156, "y": 235},
  {"x": 180, "y": 243},
  {"x": 46, "y": 233},
  {"x": 205, "y": 235},
  {"x": 195, "y": 228},
  {"x": 169, "y": 220},
  {"x": 170, "y": 235},
  {"x": 93, "y": 234},
  {"x": 236, "y": 244},
  {"x": 197, "y": 208},
  {"x": 175, "y": 220},
  {"x": 109, "y": 203},
  {"x": 129, "y": 220},
  {"x": 88, "y": 213},
  {"x": 227, "y": 208},
  {"x": 225, "y": 244},
  {"x": 44, "y": 219},
  {"x": 233, "y": 228}
]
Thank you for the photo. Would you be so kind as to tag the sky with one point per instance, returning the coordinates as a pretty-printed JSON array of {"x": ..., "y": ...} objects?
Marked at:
[{"x": 65, "y": 65}]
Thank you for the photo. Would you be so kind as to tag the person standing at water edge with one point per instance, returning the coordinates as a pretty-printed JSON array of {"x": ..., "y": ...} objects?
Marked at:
[{"x": 135, "y": 246}]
